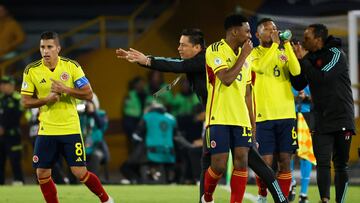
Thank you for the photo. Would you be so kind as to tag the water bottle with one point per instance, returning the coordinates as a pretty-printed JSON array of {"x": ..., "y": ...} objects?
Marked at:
[{"x": 286, "y": 35}]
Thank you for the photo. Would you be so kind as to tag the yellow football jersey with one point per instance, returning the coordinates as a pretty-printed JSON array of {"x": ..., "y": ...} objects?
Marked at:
[
  {"x": 226, "y": 105},
  {"x": 60, "y": 118},
  {"x": 272, "y": 88}
]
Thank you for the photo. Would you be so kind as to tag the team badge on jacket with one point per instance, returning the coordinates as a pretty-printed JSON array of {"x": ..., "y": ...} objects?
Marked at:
[
  {"x": 213, "y": 144},
  {"x": 35, "y": 159}
]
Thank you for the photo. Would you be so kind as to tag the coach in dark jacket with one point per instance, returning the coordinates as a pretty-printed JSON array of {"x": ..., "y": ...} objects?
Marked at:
[
  {"x": 324, "y": 66},
  {"x": 192, "y": 52}
]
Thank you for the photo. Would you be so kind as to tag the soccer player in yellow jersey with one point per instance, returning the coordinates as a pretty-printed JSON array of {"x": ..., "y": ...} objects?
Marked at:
[
  {"x": 275, "y": 111},
  {"x": 228, "y": 107},
  {"x": 52, "y": 84}
]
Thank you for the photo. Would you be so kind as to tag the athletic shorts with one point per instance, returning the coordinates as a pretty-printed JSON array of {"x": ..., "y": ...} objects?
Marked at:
[
  {"x": 48, "y": 148},
  {"x": 276, "y": 136},
  {"x": 222, "y": 138}
]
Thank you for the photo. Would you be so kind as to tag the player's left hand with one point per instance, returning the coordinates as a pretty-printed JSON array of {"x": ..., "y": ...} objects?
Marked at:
[{"x": 58, "y": 87}]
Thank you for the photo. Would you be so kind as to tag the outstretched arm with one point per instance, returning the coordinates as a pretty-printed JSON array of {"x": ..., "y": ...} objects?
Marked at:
[{"x": 175, "y": 65}]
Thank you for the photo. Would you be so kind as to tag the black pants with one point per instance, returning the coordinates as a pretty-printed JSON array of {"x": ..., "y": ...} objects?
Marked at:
[
  {"x": 10, "y": 147},
  {"x": 257, "y": 164},
  {"x": 337, "y": 146}
]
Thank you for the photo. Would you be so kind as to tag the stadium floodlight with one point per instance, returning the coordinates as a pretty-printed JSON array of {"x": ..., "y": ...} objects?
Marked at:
[{"x": 353, "y": 53}]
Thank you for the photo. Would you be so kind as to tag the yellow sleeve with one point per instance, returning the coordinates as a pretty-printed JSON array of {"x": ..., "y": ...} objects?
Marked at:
[
  {"x": 27, "y": 87},
  {"x": 77, "y": 72},
  {"x": 215, "y": 60},
  {"x": 293, "y": 62},
  {"x": 259, "y": 64}
]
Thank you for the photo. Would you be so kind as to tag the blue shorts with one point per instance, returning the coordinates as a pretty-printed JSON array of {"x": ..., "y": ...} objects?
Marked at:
[
  {"x": 222, "y": 138},
  {"x": 48, "y": 148},
  {"x": 276, "y": 136}
]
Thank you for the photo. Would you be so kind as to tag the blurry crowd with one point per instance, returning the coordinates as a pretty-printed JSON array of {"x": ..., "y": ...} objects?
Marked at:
[{"x": 164, "y": 132}]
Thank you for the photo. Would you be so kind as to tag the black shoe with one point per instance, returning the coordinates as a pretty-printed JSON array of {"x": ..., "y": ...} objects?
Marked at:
[
  {"x": 292, "y": 193},
  {"x": 303, "y": 199}
]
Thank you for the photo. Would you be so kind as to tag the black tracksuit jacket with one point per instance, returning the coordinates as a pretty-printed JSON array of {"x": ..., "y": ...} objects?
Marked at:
[
  {"x": 327, "y": 73},
  {"x": 193, "y": 67}
]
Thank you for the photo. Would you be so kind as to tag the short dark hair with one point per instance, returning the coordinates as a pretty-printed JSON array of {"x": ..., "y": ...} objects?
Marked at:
[
  {"x": 50, "y": 35},
  {"x": 196, "y": 36},
  {"x": 320, "y": 30},
  {"x": 233, "y": 20},
  {"x": 263, "y": 20}
]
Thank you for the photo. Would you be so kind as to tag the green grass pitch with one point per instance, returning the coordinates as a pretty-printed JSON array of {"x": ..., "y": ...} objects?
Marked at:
[{"x": 143, "y": 194}]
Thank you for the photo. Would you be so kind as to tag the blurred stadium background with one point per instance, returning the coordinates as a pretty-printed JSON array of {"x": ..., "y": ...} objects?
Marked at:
[{"x": 92, "y": 30}]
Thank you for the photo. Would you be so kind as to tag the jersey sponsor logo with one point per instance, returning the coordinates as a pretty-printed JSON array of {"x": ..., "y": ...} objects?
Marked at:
[
  {"x": 259, "y": 115},
  {"x": 24, "y": 85},
  {"x": 64, "y": 76},
  {"x": 213, "y": 144},
  {"x": 283, "y": 58},
  {"x": 217, "y": 61},
  {"x": 35, "y": 159},
  {"x": 43, "y": 81},
  {"x": 212, "y": 118},
  {"x": 228, "y": 60},
  {"x": 42, "y": 128},
  {"x": 294, "y": 143},
  {"x": 78, "y": 159}
]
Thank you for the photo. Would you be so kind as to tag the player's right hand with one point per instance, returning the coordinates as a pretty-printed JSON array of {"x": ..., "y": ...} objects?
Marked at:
[
  {"x": 246, "y": 48},
  {"x": 275, "y": 37}
]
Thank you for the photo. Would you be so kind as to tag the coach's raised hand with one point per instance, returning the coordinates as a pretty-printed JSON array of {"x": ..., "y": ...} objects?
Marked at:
[
  {"x": 121, "y": 53},
  {"x": 133, "y": 56},
  {"x": 299, "y": 50}
]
